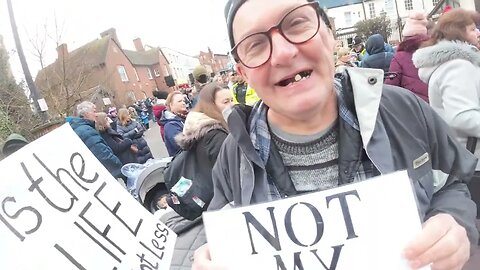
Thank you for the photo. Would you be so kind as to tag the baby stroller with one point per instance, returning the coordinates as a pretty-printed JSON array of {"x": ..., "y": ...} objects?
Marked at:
[{"x": 150, "y": 185}]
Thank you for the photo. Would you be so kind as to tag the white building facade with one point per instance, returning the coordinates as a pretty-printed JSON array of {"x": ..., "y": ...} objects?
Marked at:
[
  {"x": 180, "y": 64},
  {"x": 347, "y": 16}
]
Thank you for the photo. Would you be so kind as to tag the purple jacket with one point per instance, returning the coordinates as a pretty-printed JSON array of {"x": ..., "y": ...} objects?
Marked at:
[{"x": 407, "y": 73}]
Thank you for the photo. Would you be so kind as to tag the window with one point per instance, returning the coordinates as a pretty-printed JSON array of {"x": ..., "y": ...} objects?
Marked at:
[
  {"x": 157, "y": 73},
  {"x": 435, "y": 2},
  {"x": 165, "y": 69},
  {"x": 136, "y": 75},
  {"x": 123, "y": 73},
  {"x": 348, "y": 18},
  {"x": 408, "y": 5},
  {"x": 150, "y": 76},
  {"x": 371, "y": 7}
]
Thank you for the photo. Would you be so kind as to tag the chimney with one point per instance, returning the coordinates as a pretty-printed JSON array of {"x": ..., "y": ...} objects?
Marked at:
[
  {"x": 138, "y": 45},
  {"x": 113, "y": 35},
  {"x": 62, "y": 51}
]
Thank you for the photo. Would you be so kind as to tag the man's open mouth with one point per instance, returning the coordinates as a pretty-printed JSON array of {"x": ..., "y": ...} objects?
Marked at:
[{"x": 298, "y": 77}]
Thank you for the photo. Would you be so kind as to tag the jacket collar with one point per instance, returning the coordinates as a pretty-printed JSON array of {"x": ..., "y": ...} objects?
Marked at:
[
  {"x": 445, "y": 51},
  {"x": 196, "y": 126}
]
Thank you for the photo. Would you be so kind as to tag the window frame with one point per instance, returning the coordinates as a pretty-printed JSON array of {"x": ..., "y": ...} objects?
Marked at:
[{"x": 122, "y": 71}]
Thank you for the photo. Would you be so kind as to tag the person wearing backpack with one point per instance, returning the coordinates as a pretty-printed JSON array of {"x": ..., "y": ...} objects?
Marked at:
[{"x": 202, "y": 137}]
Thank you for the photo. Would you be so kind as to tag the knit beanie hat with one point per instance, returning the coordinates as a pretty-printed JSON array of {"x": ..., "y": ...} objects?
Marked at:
[
  {"x": 232, "y": 7},
  {"x": 416, "y": 24}
]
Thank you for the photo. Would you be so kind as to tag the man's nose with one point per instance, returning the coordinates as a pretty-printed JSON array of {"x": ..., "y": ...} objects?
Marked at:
[{"x": 282, "y": 50}]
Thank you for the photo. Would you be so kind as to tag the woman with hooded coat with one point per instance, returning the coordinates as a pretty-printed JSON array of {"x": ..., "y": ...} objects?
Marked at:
[
  {"x": 131, "y": 129},
  {"x": 204, "y": 132},
  {"x": 406, "y": 74},
  {"x": 450, "y": 63}
]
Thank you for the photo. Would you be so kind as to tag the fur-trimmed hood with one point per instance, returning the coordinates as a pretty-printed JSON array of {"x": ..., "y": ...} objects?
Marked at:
[
  {"x": 196, "y": 126},
  {"x": 429, "y": 58}
]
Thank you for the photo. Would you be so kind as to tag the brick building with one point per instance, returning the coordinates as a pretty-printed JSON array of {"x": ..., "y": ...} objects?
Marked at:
[
  {"x": 101, "y": 69},
  {"x": 214, "y": 63}
]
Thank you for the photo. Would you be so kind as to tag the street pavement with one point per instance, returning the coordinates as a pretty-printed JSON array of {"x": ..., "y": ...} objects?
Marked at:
[{"x": 157, "y": 146}]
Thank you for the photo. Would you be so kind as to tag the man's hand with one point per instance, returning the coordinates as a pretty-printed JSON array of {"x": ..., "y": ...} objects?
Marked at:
[
  {"x": 443, "y": 243},
  {"x": 202, "y": 260}
]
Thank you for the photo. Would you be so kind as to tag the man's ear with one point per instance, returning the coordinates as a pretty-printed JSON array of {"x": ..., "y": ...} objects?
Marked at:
[{"x": 239, "y": 68}]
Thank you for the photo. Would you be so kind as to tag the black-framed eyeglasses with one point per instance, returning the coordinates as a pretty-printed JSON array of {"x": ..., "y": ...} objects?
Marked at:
[{"x": 297, "y": 26}]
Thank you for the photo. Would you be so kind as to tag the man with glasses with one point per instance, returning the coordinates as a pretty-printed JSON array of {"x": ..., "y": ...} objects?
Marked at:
[{"x": 311, "y": 132}]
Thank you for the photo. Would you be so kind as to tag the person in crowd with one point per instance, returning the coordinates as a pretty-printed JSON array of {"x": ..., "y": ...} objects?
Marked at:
[
  {"x": 173, "y": 119},
  {"x": 158, "y": 110},
  {"x": 449, "y": 62},
  {"x": 145, "y": 119},
  {"x": 243, "y": 93},
  {"x": 347, "y": 130},
  {"x": 358, "y": 48},
  {"x": 200, "y": 74},
  {"x": 84, "y": 127},
  {"x": 344, "y": 60},
  {"x": 377, "y": 56},
  {"x": 406, "y": 74},
  {"x": 149, "y": 106},
  {"x": 13, "y": 143},
  {"x": 123, "y": 148},
  {"x": 204, "y": 132},
  {"x": 130, "y": 129},
  {"x": 112, "y": 115},
  {"x": 133, "y": 113}
]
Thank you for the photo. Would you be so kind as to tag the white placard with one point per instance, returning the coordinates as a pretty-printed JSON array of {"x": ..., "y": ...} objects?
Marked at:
[
  {"x": 43, "y": 105},
  {"x": 106, "y": 101},
  {"x": 61, "y": 209},
  {"x": 365, "y": 225}
]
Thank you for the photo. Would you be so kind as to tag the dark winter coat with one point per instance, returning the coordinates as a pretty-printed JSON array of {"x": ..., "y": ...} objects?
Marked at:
[
  {"x": 172, "y": 125},
  {"x": 157, "y": 112},
  {"x": 377, "y": 58},
  {"x": 407, "y": 73},
  {"x": 128, "y": 131},
  {"x": 394, "y": 138},
  {"x": 190, "y": 236},
  {"x": 120, "y": 146},
  {"x": 85, "y": 129}
]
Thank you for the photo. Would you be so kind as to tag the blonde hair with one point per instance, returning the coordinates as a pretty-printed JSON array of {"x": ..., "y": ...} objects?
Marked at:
[
  {"x": 101, "y": 122},
  {"x": 170, "y": 96},
  {"x": 123, "y": 116},
  {"x": 342, "y": 52}
]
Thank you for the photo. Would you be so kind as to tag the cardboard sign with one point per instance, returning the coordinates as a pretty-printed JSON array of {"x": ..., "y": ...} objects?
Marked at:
[
  {"x": 61, "y": 209},
  {"x": 365, "y": 225}
]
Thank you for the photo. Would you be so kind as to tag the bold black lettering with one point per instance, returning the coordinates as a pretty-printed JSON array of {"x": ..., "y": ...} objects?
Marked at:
[
  {"x": 105, "y": 231},
  {"x": 98, "y": 242},
  {"x": 69, "y": 257},
  {"x": 318, "y": 221},
  {"x": 19, "y": 212},
  {"x": 115, "y": 209},
  {"x": 274, "y": 241},
  {"x": 160, "y": 257},
  {"x": 297, "y": 262},
  {"x": 150, "y": 266},
  {"x": 82, "y": 169},
  {"x": 334, "y": 261},
  {"x": 345, "y": 210},
  {"x": 36, "y": 183}
]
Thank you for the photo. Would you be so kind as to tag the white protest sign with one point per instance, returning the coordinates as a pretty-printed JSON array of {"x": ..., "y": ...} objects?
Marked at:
[
  {"x": 61, "y": 209},
  {"x": 365, "y": 225}
]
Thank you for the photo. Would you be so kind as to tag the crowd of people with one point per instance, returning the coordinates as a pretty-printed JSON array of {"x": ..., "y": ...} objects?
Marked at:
[{"x": 292, "y": 119}]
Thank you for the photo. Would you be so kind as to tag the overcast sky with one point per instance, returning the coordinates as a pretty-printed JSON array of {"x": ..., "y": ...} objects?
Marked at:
[{"x": 187, "y": 26}]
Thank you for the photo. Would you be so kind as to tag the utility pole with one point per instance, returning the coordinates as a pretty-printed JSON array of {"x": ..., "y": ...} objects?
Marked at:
[
  {"x": 35, "y": 94},
  {"x": 399, "y": 22},
  {"x": 364, "y": 12}
]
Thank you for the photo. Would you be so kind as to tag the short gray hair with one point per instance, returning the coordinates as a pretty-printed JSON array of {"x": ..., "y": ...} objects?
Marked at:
[{"x": 85, "y": 107}]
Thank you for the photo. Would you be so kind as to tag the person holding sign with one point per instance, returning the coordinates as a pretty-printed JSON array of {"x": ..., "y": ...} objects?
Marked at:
[{"x": 312, "y": 132}]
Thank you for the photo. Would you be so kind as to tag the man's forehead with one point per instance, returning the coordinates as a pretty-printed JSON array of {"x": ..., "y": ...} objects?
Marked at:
[{"x": 259, "y": 15}]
